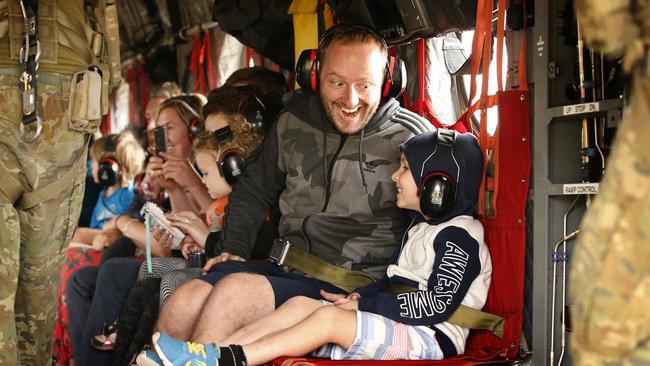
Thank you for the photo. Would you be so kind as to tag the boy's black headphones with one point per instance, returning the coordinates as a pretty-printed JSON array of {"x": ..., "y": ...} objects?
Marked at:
[
  {"x": 437, "y": 189},
  {"x": 231, "y": 163},
  {"x": 109, "y": 169},
  {"x": 308, "y": 65}
]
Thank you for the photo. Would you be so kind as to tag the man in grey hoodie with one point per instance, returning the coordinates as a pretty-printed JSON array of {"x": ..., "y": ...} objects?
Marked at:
[{"x": 327, "y": 163}]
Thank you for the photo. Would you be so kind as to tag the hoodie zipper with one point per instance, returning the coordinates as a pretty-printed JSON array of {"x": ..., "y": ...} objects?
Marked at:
[{"x": 330, "y": 169}]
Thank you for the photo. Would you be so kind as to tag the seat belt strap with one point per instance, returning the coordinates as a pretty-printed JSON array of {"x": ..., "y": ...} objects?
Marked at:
[
  {"x": 464, "y": 316},
  {"x": 283, "y": 253},
  {"x": 46, "y": 193}
]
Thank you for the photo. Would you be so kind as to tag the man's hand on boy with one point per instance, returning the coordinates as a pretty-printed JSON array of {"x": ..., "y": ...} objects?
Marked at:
[
  {"x": 223, "y": 257},
  {"x": 349, "y": 305},
  {"x": 350, "y": 302}
]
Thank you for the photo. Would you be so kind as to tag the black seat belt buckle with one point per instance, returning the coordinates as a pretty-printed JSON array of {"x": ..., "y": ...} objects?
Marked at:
[{"x": 279, "y": 250}]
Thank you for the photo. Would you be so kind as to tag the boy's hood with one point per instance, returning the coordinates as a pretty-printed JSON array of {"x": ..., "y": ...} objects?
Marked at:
[{"x": 466, "y": 152}]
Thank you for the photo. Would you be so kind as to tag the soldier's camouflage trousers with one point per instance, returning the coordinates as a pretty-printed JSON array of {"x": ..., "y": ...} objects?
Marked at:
[
  {"x": 32, "y": 239},
  {"x": 610, "y": 277}
]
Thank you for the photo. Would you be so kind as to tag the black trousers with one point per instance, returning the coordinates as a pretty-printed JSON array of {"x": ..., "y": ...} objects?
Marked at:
[{"x": 96, "y": 297}]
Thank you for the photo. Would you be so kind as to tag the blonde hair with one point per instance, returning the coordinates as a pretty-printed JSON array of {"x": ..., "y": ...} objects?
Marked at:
[
  {"x": 187, "y": 106},
  {"x": 245, "y": 139},
  {"x": 128, "y": 153}
]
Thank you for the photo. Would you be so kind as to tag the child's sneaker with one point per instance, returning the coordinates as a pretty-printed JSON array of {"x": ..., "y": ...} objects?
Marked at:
[
  {"x": 148, "y": 357},
  {"x": 176, "y": 353}
]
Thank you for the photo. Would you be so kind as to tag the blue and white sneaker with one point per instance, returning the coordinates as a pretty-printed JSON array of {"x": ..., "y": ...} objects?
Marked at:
[
  {"x": 148, "y": 357},
  {"x": 173, "y": 352}
]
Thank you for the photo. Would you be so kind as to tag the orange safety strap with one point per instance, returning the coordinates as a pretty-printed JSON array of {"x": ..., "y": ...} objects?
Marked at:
[{"x": 481, "y": 48}]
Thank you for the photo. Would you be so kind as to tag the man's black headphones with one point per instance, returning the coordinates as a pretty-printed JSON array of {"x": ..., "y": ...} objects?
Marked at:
[
  {"x": 308, "y": 65},
  {"x": 231, "y": 163},
  {"x": 109, "y": 169},
  {"x": 437, "y": 189},
  {"x": 252, "y": 109}
]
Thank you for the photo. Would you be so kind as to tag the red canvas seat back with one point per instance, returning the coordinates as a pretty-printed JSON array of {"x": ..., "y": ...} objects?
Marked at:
[
  {"x": 505, "y": 235},
  {"x": 508, "y": 151}
]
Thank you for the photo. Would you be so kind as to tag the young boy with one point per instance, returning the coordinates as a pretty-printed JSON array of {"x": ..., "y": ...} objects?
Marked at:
[
  {"x": 443, "y": 260},
  {"x": 117, "y": 159}
]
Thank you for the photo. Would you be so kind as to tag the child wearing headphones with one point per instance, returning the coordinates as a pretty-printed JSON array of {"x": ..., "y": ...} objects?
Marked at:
[
  {"x": 443, "y": 263},
  {"x": 116, "y": 160},
  {"x": 220, "y": 159}
]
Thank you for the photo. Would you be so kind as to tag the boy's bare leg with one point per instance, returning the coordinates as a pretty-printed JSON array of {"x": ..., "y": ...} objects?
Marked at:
[
  {"x": 328, "y": 324},
  {"x": 236, "y": 301},
  {"x": 181, "y": 311},
  {"x": 290, "y": 313}
]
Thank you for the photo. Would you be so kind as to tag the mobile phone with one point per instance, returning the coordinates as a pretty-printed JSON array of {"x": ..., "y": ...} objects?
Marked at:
[
  {"x": 160, "y": 139},
  {"x": 157, "y": 217}
]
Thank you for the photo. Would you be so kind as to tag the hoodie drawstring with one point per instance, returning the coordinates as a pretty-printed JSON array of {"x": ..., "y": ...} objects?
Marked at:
[
  {"x": 363, "y": 174},
  {"x": 325, "y": 160}
]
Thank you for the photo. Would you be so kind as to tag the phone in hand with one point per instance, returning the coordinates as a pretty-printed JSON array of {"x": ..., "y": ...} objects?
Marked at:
[
  {"x": 158, "y": 219},
  {"x": 160, "y": 139}
]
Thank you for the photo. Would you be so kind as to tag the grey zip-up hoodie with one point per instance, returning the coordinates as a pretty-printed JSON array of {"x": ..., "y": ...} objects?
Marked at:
[{"x": 335, "y": 193}]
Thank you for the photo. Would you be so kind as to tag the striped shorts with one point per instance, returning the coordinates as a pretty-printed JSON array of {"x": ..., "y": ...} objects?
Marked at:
[{"x": 380, "y": 338}]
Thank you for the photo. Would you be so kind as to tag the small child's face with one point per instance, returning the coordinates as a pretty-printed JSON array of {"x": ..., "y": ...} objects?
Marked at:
[
  {"x": 407, "y": 190},
  {"x": 212, "y": 179}
]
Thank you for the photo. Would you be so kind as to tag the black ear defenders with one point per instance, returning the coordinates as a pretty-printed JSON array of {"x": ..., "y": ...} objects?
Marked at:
[
  {"x": 437, "y": 189},
  {"x": 253, "y": 110},
  {"x": 109, "y": 168},
  {"x": 231, "y": 165},
  {"x": 437, "y": 194},
  {"x": 308, "y": 65}
]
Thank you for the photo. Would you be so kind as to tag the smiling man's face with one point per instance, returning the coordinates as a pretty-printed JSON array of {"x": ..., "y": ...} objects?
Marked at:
[{"x": 351, "y": 77}]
